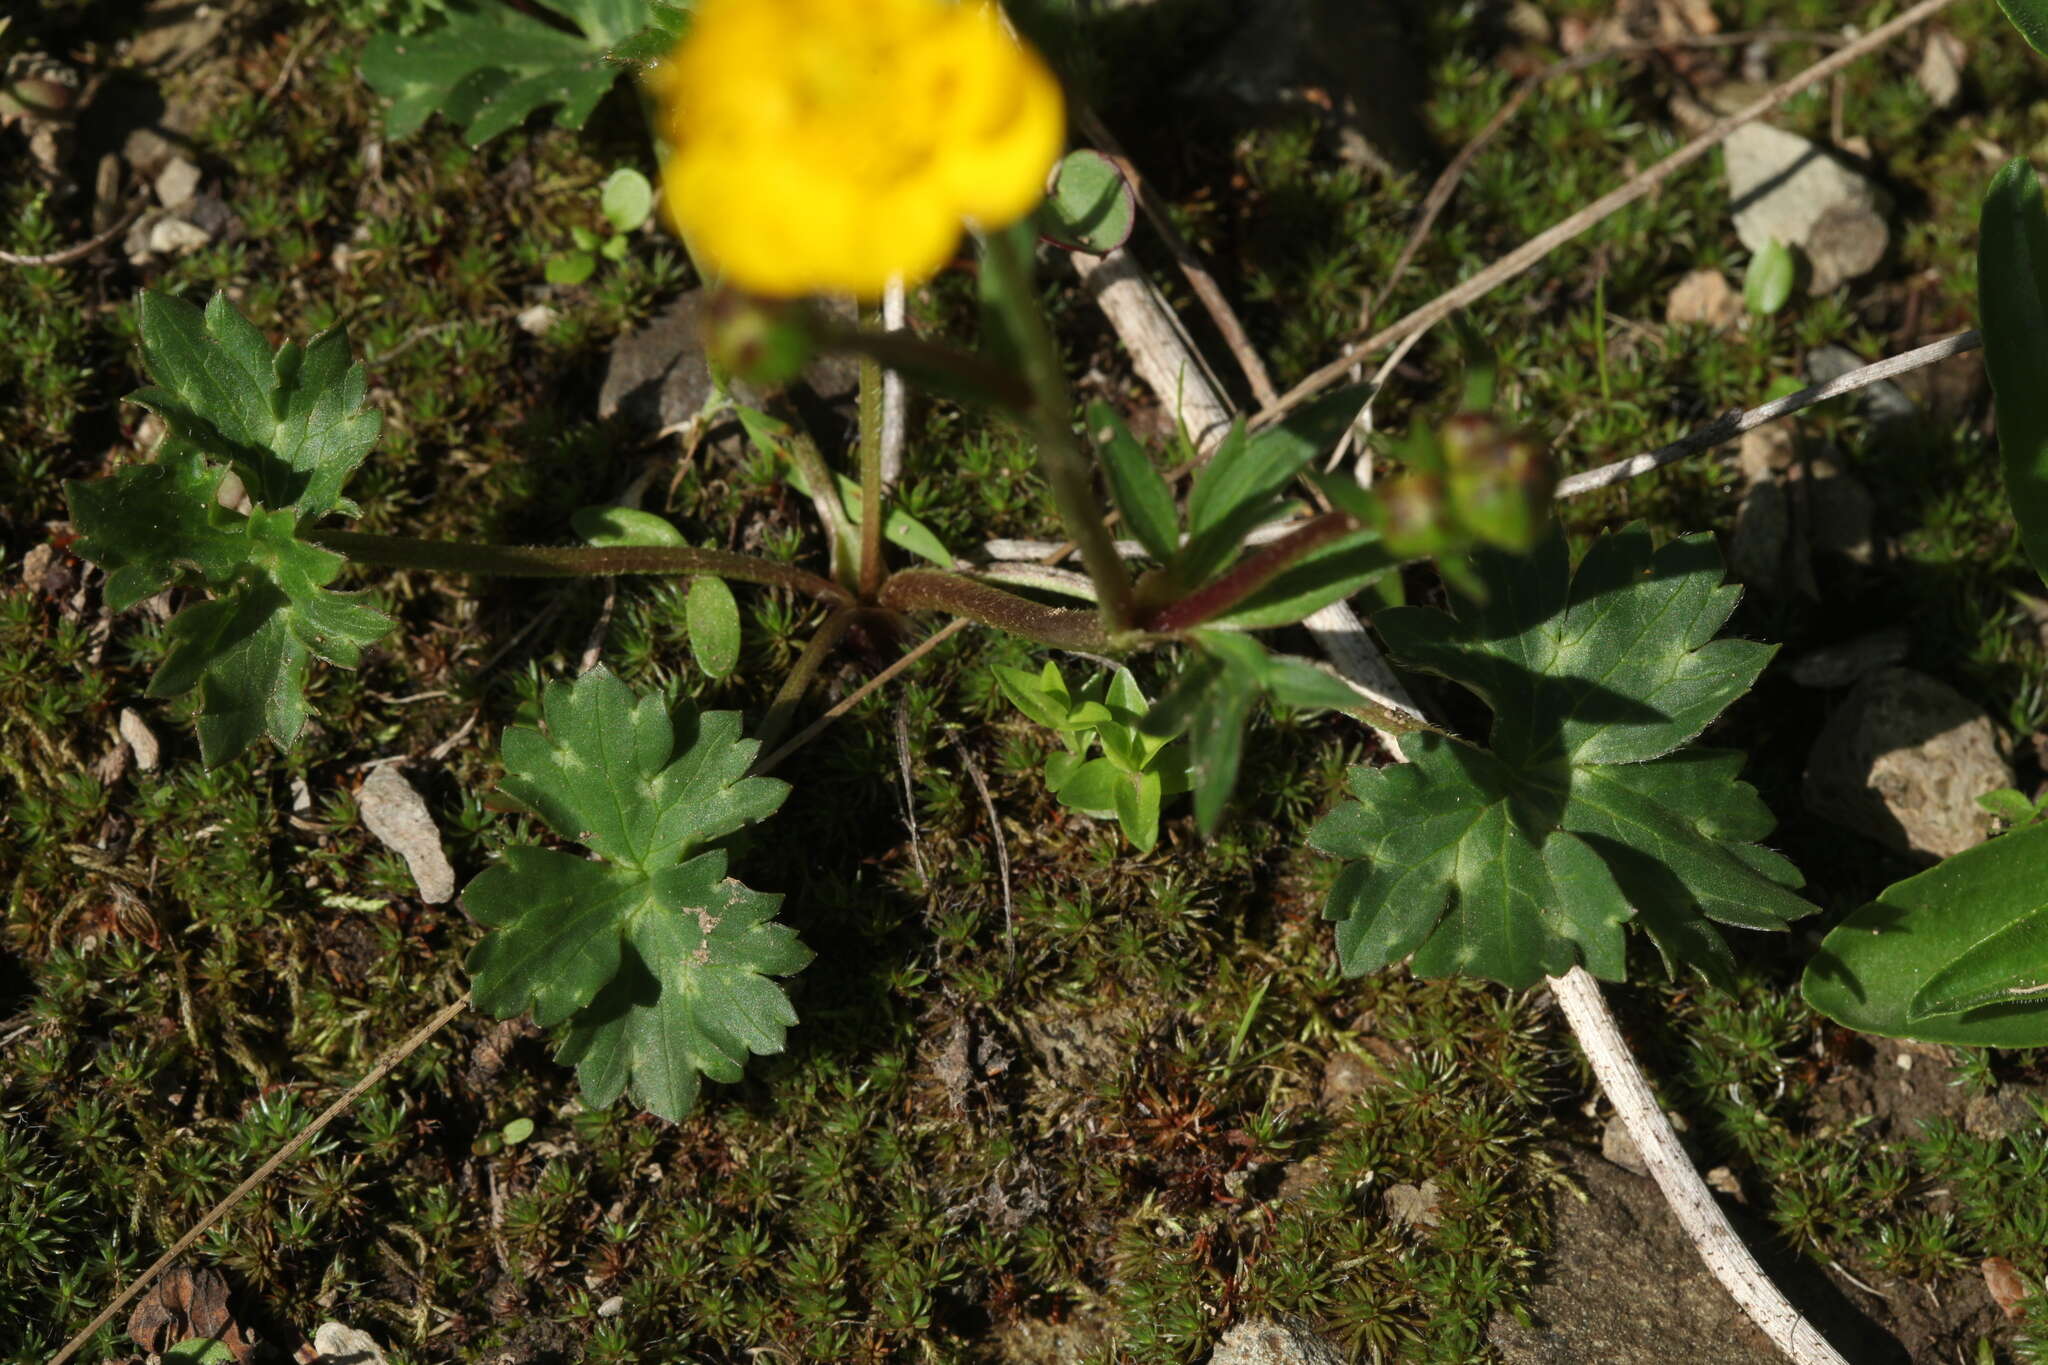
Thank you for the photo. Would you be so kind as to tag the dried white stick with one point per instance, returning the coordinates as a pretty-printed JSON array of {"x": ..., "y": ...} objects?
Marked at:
[
  {"x": 1728, "y": 427},
  {"x": 1160, "y": 349},
  {"x": 895, "y": 398},
  {"x": 1578, "y": 995},
  {"x": 1338, "y": 630}
]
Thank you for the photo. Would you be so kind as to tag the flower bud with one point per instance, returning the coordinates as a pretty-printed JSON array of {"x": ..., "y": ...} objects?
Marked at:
[
  {"x": 1499, "y": 482},
  {"x": 1411, "y": 514},
  {"x": 762, "y": 342}
]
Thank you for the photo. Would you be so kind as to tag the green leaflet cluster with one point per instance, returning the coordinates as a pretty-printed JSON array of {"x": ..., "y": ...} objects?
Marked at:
[
  {"x": 1136, "y": 771},
  {"x": 291, "y": 425},
  {"x": 1525, "y": 857},
  {"x": 659, "y": 963}
]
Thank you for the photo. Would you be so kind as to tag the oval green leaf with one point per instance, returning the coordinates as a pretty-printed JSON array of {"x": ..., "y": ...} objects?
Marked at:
[
  {"x": 1768, "y": 284},
  {"x": 1090, "y": 206},
  {"x": 2012, "y": 305},
  {"x": 1957, "y": 954},
  {"x": 628, "y": 199},
  {"x": 605, "y": 525},
  {"x": 2030, "y": 17},
  {"x": 714, "y": 620}
]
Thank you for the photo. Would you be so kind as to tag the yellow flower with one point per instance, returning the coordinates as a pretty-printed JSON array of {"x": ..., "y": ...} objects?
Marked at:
[{"x": 826, "y": 146}]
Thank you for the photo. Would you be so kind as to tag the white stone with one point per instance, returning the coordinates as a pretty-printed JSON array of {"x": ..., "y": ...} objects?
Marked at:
[
  {"x": 394, "y": 812},
  {"x": 1787, "y": 189},
  {"x": 176, "y": 237},
  {"x": 176, "y": 183}
]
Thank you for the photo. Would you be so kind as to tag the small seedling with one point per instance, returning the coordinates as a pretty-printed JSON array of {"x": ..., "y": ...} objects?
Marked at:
[
  {"x": 1135, "y": 773},
  {"x": 628, "y": 202}
]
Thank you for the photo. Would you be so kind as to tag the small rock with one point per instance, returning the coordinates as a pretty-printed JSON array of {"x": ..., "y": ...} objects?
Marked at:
[
  {"x": 612, "y": 1306},
  {"x": 1721, "y": 1180},
  {"x": 536, "y": 321},
  {"x": 1763, "y": 525},
  {"x": 1883, "y": 402},
  {"x": 1765, "y": 452},
  {"x": 1274, "y": 1341},
  {"x": 176, "y": 183},
  {"x": 1415, "y": 1205},
  {"x": 148, "y": 151},
  {"x": 1619, "y": 1147},
  {"x": 1840, "y": 514},
  {"x": 1995, "y": 1117},
  {"x": 394, "y": 812},
  {"x": 1840, "y": 665},
  {"x": 175, "y": 237},
  {"x": 1705, "y": 297},
  {"x": 1940, "y": 72},
  {"x": 1904, "y": 761},
  {"x": 2008, "y": 1288},
  {"x": 1346, "y": 1076},
  {"x": 338, "y": 1344},
  {"x": 139, "y": 740},
  {"x": 1787, "y": 189},
  {"x": 175, "y": 32},
  {"x": 43, "y": 570}
]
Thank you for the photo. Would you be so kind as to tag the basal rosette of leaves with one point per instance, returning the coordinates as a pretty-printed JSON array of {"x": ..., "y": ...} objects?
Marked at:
[
  {"x": 829, "y": 146},
  {"x": 661, "y": 965},
  {"x": 1521, "y": 858},
  {"x": 292, "y": 425}
]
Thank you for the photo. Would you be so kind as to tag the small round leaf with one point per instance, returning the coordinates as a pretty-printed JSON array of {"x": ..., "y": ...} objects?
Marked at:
[
  {"x": 624, "y": 526},
  {"x": 714, "y": 621},
  {"x": 628, "y": 199},
  {"x": 517, "y": 1131}
]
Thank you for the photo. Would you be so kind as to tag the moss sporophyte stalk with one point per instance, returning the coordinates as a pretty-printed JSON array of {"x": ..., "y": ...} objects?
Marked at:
[{"x": 829, "y": 146}]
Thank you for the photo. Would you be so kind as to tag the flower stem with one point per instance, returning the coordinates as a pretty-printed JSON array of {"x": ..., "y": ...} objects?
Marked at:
[
  {"x": 574, "y": 561},
  {"x": 1004, "y": 254},
  {"x": 871, "y": 567},
  {"x": 937, "y": 590}
]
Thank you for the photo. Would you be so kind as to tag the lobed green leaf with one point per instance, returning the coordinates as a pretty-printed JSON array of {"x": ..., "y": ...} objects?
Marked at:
[
  {"x": 659, "y": 962},
  {"x": 1516, "y": 861}
]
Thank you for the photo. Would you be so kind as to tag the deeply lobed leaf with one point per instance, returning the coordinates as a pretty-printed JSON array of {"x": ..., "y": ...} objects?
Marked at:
[
  {"x": 294, "y": 423},
  {"x": 1518, "y": 860},
  {"x": 490, "y": 67},
  {"x": 659, "y": 962}
]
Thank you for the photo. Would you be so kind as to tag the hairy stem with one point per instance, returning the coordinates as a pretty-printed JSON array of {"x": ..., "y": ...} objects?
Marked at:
[
  {"x": 988, "y": 605},
  {"x": 1254, "y": 572},
  {"x": 573, "y": 561},
  {"x": 871, "y": 568},
  {"x": 1073, "y": 491}
]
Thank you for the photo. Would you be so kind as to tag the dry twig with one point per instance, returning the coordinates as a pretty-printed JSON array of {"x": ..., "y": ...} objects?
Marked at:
[{"x": 1547, "y": 241}]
